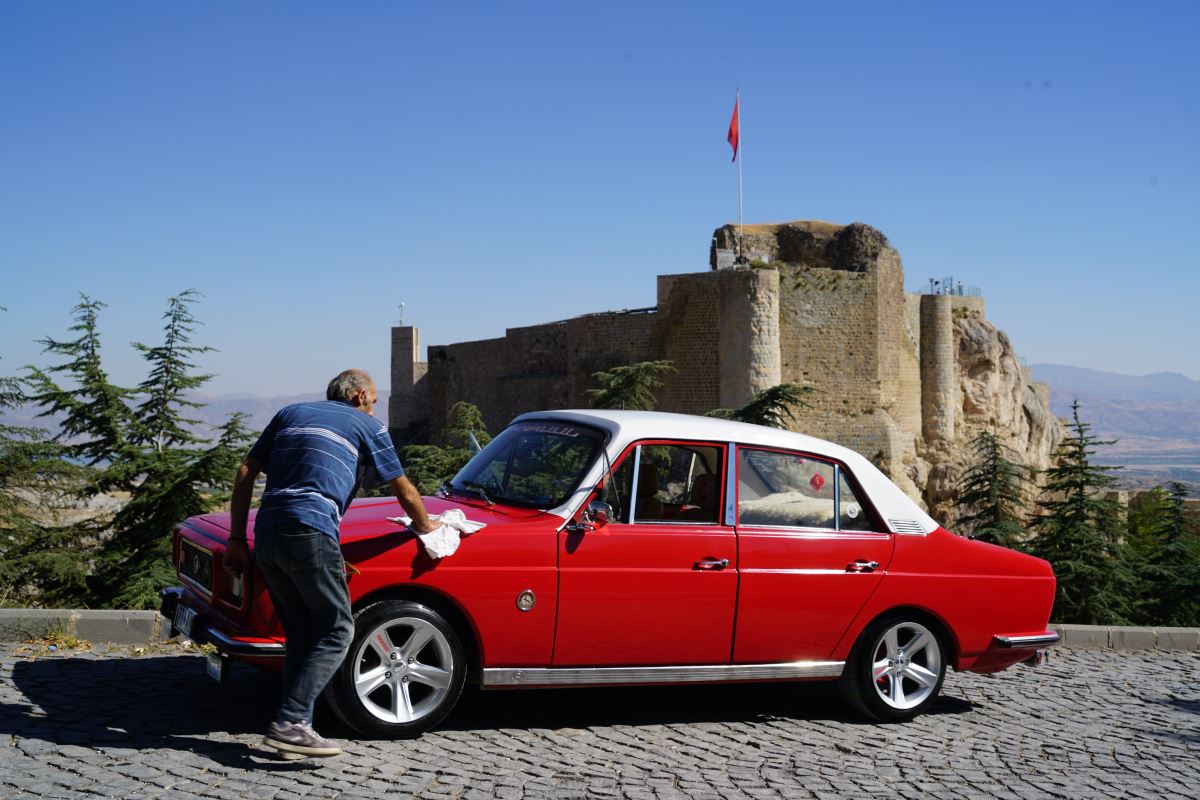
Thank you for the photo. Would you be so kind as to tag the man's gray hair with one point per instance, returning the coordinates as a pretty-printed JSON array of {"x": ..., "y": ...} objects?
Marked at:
[{"x": 347, "y": 384}]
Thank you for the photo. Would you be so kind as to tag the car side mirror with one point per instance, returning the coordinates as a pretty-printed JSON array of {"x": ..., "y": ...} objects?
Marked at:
[{"x": 598, "y": 514}]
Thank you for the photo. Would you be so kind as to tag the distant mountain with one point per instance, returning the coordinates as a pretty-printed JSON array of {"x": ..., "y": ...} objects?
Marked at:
[
  {"x": 1163, "y": 405},
  {"x": 1169, "y": 387},
  {"x": 1155, "y": 420}
]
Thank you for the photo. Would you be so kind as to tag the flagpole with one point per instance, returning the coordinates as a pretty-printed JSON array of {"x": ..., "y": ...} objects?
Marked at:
[{"x": 741, "y": 155}]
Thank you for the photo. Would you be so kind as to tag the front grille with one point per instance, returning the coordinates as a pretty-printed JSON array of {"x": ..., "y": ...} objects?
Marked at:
[{"x": 196, "y": 565}]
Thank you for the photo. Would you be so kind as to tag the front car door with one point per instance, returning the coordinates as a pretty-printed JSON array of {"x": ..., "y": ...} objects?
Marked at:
[
  {"x": 658, "y": 584},
  {"x": 811, "y": 551}
]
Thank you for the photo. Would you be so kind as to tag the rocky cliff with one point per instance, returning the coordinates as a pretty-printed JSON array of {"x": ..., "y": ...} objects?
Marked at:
[{"x": 994, "y": 393}]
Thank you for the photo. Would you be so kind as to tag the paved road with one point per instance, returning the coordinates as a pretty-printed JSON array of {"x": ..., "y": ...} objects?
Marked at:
[{"x": 115, "y": 723}]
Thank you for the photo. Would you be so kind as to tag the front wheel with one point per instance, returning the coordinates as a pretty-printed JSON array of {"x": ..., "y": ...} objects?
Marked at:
[
  {"x": 403, "y": 674},
  {"x": 895, "y": 670}
]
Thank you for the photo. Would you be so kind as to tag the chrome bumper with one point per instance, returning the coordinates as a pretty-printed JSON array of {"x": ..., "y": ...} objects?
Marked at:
[{"x": 204, "y": 634}]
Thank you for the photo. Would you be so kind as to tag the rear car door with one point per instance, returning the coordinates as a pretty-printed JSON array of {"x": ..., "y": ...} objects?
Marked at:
[{"x": 812, "y": 551}]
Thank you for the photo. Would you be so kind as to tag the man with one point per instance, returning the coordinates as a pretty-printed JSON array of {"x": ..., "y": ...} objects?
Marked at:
[{"x": 316, "y": 455}]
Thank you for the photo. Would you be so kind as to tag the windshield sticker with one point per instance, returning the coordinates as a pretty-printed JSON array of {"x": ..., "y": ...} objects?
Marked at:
[
  {"x": 547, "y": 427},
  {"x": 851, "y": 511},
  {"x": 817, "y": 482}
]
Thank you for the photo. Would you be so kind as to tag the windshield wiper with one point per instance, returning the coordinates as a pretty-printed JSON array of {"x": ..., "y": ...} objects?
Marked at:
[{"x": 479, "y": 487}]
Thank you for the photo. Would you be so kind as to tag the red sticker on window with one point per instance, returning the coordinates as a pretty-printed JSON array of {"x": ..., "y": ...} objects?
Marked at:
[{"x": 817, "y": 482}]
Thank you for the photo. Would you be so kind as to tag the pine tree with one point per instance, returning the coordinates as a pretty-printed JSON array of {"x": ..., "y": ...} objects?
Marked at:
[
  {"x": 992, "y": 493},
  {"x": 771, "y": 407},
  {"x": 1079, "y": 533},
  {"x": 1164, "y": 550},
  {"x": 630, "y": 387},
  {"x": 160, "y": 421},
  {"x": 96, "y": 419}
]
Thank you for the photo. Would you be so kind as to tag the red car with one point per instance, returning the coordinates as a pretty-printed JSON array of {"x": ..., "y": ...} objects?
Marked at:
[{"x": 641, "y": 547}]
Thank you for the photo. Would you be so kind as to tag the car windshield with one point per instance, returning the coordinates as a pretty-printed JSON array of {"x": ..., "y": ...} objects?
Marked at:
[{"x": 537, "y": 463}]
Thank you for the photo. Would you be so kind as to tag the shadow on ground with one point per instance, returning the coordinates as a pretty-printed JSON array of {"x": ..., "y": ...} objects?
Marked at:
[{"x": 168, "y": 701}]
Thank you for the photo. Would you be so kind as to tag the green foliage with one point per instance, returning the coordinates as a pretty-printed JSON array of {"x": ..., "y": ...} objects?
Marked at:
[
  {"x": 630, "y": 387},
  {"x": 160, "y": 422},
  {"x": 135, "y": 560},
  {"x": 1164, "y": 551},
  {"x": 40, "y": 561},
  {"x": 464, "y": 420},
  {"x": 96, "y": 419},
  {"x": 992, "y": 493},
  {"x": 146, "y": 451},
  {"x": 1079, "y": 533},
  {"x": 428, "y": 466},
  {"x": 771, "y": 407}
]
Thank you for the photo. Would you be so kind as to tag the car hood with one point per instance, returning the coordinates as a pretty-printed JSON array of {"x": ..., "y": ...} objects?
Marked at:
[{"x": 368, "y": 516}]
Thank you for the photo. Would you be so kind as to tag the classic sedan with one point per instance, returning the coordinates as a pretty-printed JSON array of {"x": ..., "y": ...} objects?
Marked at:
[{"x": 643, "y": 548}]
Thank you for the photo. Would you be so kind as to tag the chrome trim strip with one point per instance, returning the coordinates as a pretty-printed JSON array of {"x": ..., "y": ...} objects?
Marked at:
[
  {"x": 589, "y": 676},
  {"x": 1040, "y": 640},
  {"x": 633, "y": 486},
  {"x": 240, "y": 648},
  {"x": 731, "y": 484}
]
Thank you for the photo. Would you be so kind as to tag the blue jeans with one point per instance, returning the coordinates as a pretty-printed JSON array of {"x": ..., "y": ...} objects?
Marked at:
[{"x": 306, "y": 579}]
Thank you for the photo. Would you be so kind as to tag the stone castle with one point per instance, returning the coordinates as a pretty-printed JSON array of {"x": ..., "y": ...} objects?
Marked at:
[{"x": 905, "y": 379}]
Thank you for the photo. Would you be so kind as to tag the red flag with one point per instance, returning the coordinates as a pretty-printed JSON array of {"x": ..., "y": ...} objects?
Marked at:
[{"x": 733, "y": 130}]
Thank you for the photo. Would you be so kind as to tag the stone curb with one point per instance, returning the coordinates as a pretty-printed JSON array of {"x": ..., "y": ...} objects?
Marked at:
[
  {"x": 148, "y": 627},
  {"x": 1115, "y": 637},
  {"x": 115, "y": 627}
]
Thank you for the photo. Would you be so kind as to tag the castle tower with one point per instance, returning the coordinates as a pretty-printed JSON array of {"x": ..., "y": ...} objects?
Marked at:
[
  {"x": 748, "y": 334},
  {"x": 939, "y": 381},
  {"x": 408, "y": 402}
]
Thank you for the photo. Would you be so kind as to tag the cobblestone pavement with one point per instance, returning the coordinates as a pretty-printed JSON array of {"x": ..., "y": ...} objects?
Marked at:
[{"x": 123, "y": 723}]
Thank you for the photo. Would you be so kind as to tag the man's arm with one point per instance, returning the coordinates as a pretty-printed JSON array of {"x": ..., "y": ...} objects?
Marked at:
[
  {"x": 410, "y": 501},
  {"x": 237, "y": 554}
]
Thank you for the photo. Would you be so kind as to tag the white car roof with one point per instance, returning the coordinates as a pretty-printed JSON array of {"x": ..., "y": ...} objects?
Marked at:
[{"x": 900, "y": 513}]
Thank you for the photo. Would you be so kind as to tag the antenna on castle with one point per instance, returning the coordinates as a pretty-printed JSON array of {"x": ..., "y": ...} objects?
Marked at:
[{"x": 402, "y": 315}]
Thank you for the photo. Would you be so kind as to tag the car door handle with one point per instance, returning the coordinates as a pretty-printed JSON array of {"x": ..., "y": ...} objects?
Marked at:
[
  {"x": 711, "y": 563},
  {"x": 862, "y": 565}
]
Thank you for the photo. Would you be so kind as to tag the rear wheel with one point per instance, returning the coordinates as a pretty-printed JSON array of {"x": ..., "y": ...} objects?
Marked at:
[
  {"x": 895, "y": 670},
  {"x": 403, "y": 674}
]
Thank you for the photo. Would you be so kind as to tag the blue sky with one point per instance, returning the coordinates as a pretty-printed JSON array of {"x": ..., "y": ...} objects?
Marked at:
[{"x": 310, "y": 166}]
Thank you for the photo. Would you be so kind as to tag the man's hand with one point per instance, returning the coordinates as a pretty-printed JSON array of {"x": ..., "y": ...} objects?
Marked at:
[
  {"x": 237, "y": 557},
  {"x": 410, "y": 501}
]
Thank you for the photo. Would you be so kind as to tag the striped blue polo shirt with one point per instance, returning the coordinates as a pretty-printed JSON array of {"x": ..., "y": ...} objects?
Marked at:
[{"x": 316, "y": 456}]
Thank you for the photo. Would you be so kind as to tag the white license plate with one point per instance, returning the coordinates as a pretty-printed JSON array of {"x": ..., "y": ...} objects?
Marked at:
[{"x": 184, "y": 618}]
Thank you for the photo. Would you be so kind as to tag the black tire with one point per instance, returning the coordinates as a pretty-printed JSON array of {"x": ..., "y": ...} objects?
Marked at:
[
  {"x": 411, "y": 655},
  {"x": 911, "y": 655}
]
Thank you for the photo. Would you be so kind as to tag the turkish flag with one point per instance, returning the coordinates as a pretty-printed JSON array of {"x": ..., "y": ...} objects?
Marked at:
[{"x": 733, "y": 130}]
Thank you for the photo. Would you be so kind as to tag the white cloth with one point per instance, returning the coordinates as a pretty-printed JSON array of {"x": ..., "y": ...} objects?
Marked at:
[{"x": 443, "y": 540}]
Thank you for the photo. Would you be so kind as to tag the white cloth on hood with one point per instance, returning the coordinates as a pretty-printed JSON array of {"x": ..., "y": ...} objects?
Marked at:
[{"x": 443, "y": 540}]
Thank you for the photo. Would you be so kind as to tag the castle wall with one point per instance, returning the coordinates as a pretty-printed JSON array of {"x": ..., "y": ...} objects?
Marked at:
[
  {"x": 686, "y": 332},
  {"x": 828, "y": 338},
  {"x": 535, "y": 368}
]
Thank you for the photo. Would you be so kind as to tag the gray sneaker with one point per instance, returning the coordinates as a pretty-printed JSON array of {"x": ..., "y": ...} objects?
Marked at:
[{"x": 299, "y": 737}]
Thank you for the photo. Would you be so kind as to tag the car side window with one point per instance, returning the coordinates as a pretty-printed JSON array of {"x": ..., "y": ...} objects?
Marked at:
[
  {"x": 785, "y": 489},
  {"x": 852, "y": 515},
  {"x": 674, "y": 483}
]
